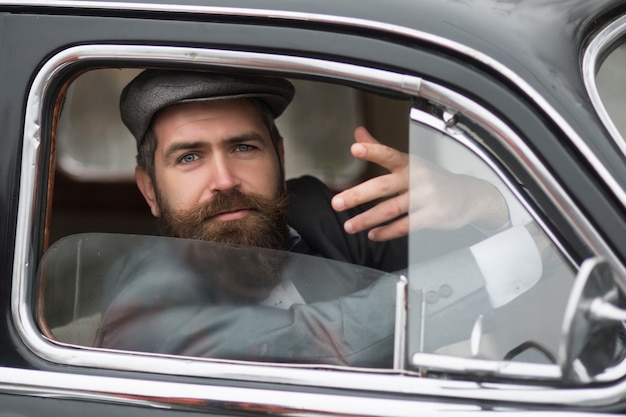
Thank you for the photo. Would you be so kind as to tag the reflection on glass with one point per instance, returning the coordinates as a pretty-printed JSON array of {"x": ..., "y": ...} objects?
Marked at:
[
  {"x": 487, "y": 293},
  {"x": 197, "y": 298}
]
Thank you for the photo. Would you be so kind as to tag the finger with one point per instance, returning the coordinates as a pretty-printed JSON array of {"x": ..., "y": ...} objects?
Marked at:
[
  {"x": 370, "y": 190},
  {"x": 362, "y": 135},
  {"x": 393, "y": 230},
  {"x": 379, "y": 154},
  {"x": 401, "y": 227},
  {"x": 379, "y": 214},
  {"x": 367, "y": 148}
]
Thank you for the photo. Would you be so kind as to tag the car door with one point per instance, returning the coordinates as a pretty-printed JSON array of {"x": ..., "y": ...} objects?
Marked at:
[{"x": 453, "y": 334}]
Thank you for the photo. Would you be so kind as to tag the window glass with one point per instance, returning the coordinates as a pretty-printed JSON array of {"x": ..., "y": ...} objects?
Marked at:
[
  {"x": 204, "y": 299},
  {"x": 494, "y": 290}
]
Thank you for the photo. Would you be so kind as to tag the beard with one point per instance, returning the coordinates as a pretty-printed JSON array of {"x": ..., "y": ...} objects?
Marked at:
[{"x": 265, "y": 226}]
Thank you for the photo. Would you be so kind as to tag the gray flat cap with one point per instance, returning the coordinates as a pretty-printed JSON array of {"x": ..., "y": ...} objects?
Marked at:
[{"x": 153, "y": 90}]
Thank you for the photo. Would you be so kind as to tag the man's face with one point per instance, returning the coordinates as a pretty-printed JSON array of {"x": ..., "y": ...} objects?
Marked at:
[{"x": 218, "y": 175}]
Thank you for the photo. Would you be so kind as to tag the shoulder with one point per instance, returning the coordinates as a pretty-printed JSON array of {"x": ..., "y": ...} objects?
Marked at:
[
  {"x": 307, "y": 188},
  {"x": 321, "y": 227}
]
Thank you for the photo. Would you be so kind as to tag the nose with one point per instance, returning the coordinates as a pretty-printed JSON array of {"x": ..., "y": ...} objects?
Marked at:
[{"x": 223, "y": 175}]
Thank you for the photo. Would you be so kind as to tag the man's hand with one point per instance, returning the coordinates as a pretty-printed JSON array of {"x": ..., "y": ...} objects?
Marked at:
[{"x": 441, "y": 199}]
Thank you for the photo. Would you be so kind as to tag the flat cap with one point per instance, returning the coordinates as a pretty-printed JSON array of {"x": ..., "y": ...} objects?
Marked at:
[{"x": 153, "y": 90}]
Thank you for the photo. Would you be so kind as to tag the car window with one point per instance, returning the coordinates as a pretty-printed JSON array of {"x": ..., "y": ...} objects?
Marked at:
[
  {"x": 493, "y": 293},
  {"x": 83, "y": 276},
  {"x": 439, "y": 303},
  {"x": 473, "y": 290}
]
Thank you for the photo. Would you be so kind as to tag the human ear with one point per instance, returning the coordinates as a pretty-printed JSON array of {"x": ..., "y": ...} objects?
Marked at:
[{"x": 144, "y": 182}]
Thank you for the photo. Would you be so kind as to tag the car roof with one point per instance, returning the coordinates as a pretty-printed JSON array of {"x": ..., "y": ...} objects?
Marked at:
[
  {"x": 498, "y": 28},
  {"x": 535, "y": 39}
]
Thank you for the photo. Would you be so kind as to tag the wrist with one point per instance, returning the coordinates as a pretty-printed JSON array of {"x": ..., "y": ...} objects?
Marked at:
[{"x": 492, "y": 212}]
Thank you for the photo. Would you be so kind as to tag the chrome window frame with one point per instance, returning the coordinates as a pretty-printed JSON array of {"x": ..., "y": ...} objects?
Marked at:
[
  {"x": 344, "y": 378},
  {"x": 591, "y": 63}
]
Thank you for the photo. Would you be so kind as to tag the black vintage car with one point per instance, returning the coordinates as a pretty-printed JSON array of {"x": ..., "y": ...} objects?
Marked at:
[{"x": 526, "y": 94}]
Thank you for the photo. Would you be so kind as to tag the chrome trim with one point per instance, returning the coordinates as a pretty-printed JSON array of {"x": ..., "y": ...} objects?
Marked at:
[
  {"x": 217, "y": 399},
  {"x": 345, "y": 378},
  {"x": 596, "y": 47},
  {"x": 230, "y": 400},
  {"x": 399, "y": 342},
  {"x": 474, "y": 54},
  {"x": 464, "y": 366}
]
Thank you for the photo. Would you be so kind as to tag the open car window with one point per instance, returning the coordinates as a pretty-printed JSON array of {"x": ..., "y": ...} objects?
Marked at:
[
  {"x": 294, "y": 317},
  {"x": 473, "y": 292}
]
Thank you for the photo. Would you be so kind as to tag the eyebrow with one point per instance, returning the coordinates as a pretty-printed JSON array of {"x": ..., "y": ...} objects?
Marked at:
[{"x": 187, "y": 146}]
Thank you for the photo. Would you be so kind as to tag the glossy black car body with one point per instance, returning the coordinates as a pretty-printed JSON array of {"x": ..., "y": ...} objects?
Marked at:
[{"x": 522, "y": 70}]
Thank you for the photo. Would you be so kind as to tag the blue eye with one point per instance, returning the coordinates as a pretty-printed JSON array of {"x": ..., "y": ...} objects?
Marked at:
[
  {"x": 244, "y": 147},
  {"x": 188, "y": 158}
]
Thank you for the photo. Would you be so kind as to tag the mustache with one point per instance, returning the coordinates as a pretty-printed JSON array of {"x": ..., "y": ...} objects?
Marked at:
[
  {"x": 265, "y": 226},
  {"x": 228, "y": 201}
]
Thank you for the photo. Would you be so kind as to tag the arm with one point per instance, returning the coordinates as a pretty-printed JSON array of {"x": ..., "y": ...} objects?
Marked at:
[
  {"x": 353, "y": 331},
  {"x": 158, "y": 303}
]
